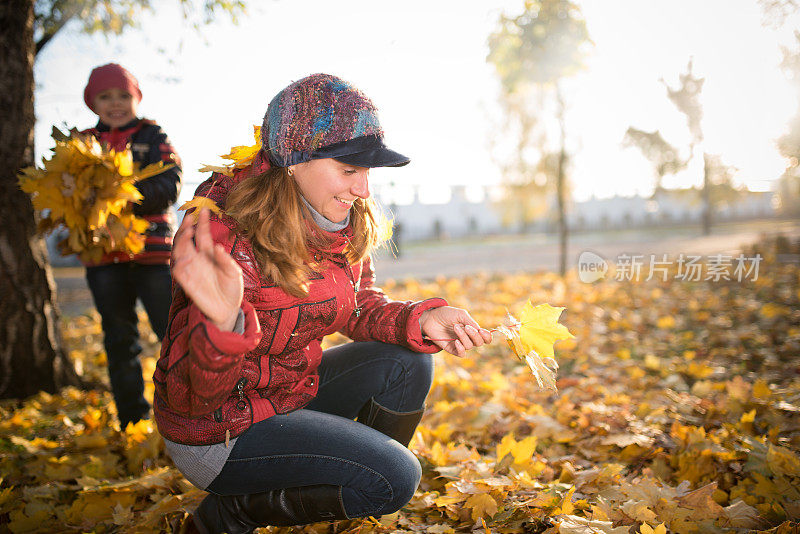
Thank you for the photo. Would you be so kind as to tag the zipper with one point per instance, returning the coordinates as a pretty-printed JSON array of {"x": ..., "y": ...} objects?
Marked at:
[
  {"x": 241, "y": 404},
  {"x": 356, "y": 287}
]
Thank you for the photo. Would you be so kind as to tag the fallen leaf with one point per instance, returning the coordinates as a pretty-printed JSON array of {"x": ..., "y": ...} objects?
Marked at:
[
  {"x": 540, "y": 329},
  {"x": 647, "y": 529},
  {"x": 481, "y": 505},
  {"x": 572, "y": 524},
  {"x": 741, "y": 515}
]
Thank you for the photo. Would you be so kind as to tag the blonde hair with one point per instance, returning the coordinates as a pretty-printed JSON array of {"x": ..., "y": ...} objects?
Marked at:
[{"x": 270, "y": 213}]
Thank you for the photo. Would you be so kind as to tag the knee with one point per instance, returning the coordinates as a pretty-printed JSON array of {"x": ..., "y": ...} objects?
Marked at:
[
  {"x": 417, "y": 366},
  {"x": 388, "y": 488},
  {"x": 404, "y": 479}
]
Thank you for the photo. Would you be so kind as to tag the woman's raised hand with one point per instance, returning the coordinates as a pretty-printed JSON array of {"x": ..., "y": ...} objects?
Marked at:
[
  {"x": 453, "y": 329},
  {"x": 207, "y": 273}
]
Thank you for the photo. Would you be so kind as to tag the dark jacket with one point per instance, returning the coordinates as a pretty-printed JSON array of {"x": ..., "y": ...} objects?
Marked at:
[
  {"x": 148, "y": 144},
  {"x": 210, "y": 383}
]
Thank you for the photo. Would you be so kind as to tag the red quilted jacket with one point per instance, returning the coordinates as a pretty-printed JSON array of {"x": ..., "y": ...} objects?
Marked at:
[{"x": 209, "y": 382}]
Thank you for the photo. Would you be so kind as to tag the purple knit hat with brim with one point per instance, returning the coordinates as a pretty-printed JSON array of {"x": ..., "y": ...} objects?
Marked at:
[{"x": 322, "y": 116}]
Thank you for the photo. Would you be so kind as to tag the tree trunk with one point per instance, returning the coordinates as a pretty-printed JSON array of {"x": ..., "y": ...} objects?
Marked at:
[
  {"x": 706, "y": 195},
  {"x": 31, "y": 356},
  {"x": 560, "y": 187}
]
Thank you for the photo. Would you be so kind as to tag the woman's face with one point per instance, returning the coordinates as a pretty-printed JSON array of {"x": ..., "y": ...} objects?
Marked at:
[
  {"x": 115, "y": 107},
  {"x": 331, "y": 186}
]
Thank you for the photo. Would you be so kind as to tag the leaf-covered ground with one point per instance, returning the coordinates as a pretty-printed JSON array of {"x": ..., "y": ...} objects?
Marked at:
[{"x": 678, "y": 410}]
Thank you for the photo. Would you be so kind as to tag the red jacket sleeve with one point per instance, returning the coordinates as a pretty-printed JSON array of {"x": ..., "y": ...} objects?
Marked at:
[
  {"x": 382, "y": 319},
  {"x": 203, "y": 363}
]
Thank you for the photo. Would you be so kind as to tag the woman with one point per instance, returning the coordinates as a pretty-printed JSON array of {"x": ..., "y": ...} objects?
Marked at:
[{"x": 250, "y": 407}]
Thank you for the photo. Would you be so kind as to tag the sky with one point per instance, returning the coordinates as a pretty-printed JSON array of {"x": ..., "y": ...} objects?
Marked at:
[{"x": 424, "y": 65}]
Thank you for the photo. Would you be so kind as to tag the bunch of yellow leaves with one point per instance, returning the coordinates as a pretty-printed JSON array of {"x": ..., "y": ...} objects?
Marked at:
[
  {"x": 532, "y": 337},
  {"x": 88, "y": 189}
]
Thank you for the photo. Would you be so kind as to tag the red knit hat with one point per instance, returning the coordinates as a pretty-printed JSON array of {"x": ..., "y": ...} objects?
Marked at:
[{"x": 110, "y": 76}]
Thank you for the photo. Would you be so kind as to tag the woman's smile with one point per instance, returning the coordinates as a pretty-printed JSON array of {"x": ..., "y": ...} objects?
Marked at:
[{"x": 331, "y": 187}]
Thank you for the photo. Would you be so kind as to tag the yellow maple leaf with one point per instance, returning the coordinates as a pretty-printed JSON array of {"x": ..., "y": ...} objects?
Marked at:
[
  {"x": 21, "y": 522},
  {"x": 647, "y": 529},
  {"x": 540, "y": 329},
  {"x": 699, "y": 370},
  {"x": 152, "y": 169},
  {"x": 241, "y": 156},
  {"x": 783, "y": 461},
  {"x": 93, "y": 506},
  {"x": 748, "y": 417},
  {"x": 666, "y": 322},
  {"x": 123, "y": 161},
  {"x": 638, "y": 511},
  {"x": 522, "y": 451},
  {"x": 532, "y": 338},
  {"x": 566, "y": 504},
  {"x": 505, "y": 446},
  {"x": 198, "y": 203},
  {"x": 482, "y": 504},
  {"x": 385, "y": 228},
  {"x": 761, "y": 389}
]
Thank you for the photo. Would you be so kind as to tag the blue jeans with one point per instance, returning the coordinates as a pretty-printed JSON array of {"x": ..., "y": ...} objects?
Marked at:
[
  {"x": 115, "y": 288},
  {"x": 321, "y": 444}
]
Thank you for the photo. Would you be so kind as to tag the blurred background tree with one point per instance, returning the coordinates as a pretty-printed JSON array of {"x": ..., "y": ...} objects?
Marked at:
[
  {"x": 31, "y": 354},
  {"x": 717, "y": 187},
  {"x": 524, "y": 199},
  {"x": 533, "y": 53},
  {"x": 777, "y": 13},
  {"x": 721, "y": 190},
  {"x": 663, "y": 156},
  {"x": 789, "y": 142},
  {"x": 112, "y": 17},
  {"x": 686, "y": 98}
]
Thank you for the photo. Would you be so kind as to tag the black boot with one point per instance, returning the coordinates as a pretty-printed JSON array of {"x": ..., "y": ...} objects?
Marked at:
[
  {"x": 399, "y": 426},
  {"x": 241, "y": 514}
]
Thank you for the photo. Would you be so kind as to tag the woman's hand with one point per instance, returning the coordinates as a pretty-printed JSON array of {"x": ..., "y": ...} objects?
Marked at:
[
  {"x": 452, "y": 329},
  {"x": 207, "y": 273}
]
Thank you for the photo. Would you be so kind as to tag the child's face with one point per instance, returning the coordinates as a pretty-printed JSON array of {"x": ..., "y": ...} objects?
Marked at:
[{"x": 115, "y": 107}]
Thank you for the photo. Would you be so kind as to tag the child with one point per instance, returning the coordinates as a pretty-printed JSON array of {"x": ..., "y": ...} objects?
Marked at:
[{"x": 118, "y": 279}]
